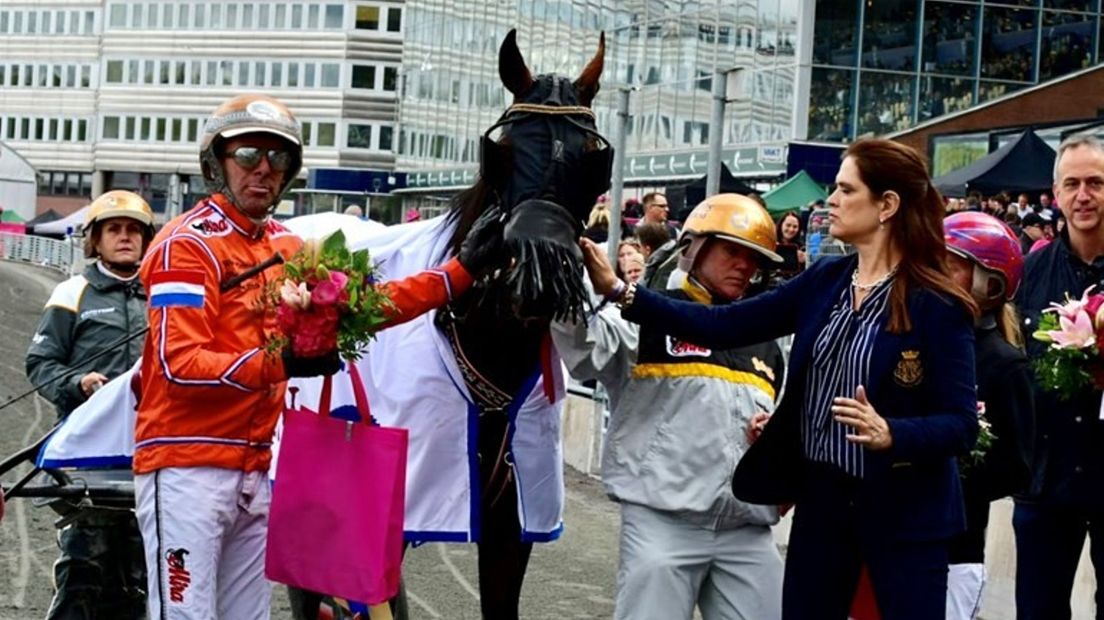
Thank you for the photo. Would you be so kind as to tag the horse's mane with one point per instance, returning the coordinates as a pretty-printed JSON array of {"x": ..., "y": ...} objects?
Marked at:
[{"x": 464, "y": 209}]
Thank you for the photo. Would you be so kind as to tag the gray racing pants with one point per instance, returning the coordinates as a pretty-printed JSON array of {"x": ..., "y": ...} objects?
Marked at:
[{"x": 668, "y": 566}]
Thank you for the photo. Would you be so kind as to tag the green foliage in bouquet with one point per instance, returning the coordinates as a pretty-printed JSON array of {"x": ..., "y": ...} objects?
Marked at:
[{"x": 1063, "y": 370}]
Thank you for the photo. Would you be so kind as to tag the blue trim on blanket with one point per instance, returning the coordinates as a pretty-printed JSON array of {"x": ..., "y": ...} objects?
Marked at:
[
  {"x": 515, "y": 407},
  {"x": 88, "y": 462},
  {"x": 475, "y": 489},
  {"x": 46, "y": 444},
  {"x": 419, "y": 537},
  {"x": 555, "y": 534},
  {"x": 473, "y": 468},
  {"x": 115, "y": 461}
]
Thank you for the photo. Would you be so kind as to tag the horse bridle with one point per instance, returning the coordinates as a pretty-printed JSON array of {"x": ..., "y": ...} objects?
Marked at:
[{"x": 595, "y": 167}]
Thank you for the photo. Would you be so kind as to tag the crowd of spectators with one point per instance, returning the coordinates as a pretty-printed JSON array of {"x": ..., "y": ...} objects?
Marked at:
[
  {"x": 1004, "y": 53},
  {"x": 830, "y": 104},
  {"x": 1036, "y": 222},
  {"x": 1065, "y": 52}
]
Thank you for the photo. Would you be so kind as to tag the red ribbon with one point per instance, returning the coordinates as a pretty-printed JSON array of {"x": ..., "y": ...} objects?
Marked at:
[{"x": 546, "y": 367}]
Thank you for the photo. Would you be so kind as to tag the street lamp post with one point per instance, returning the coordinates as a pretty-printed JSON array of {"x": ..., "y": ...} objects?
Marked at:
[
  {"x": 618, "y": 180},
  {"x": 721, "y": 97}
]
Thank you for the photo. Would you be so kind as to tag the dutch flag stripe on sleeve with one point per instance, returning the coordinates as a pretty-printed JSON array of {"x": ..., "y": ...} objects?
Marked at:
[{"x": 176, "y": 288}]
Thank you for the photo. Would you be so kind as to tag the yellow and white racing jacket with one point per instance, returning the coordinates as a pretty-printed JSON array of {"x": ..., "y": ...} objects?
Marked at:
[{"x": 679, "y": 413}]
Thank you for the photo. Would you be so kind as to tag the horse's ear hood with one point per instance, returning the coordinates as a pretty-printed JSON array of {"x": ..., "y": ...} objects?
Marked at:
[
  {"x": 513, "y": 72},
  {"x": 587, "y": 83}
]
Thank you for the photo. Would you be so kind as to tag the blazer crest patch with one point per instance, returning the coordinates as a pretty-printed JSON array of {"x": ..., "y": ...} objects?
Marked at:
[{"x": 909, "y": 371}]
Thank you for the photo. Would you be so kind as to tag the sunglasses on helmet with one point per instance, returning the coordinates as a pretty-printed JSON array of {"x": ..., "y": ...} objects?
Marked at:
[{"x": 249, "y": 157}]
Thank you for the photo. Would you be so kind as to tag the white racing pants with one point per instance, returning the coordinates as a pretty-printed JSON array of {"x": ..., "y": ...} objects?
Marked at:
[
  {"x": 964, "y": 585},
  {"x": 668, "y": 566},
  {"x": 204, "y": 530}
]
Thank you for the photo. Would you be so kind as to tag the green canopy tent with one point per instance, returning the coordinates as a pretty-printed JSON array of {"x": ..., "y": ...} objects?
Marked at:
[
  {"x": 798, "y": 191},
  {"x": 10, "y": 217}
]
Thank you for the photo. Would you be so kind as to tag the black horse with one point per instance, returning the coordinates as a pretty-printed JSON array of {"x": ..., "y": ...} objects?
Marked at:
[{"x": 544, "y": 172}]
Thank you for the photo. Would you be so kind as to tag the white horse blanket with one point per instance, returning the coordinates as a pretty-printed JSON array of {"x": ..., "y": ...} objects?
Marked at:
[{"x": 412, "y": 381}]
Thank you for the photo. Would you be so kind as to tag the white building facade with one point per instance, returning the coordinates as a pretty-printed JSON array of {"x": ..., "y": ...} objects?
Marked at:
[{"x": 106, "y": 94}]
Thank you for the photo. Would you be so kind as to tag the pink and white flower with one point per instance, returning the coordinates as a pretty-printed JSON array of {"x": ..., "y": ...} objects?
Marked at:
[
  {"x": 295, "y": 296},
  {"x": 331, "y": 291},
  {"x": 1075, "y": 333}
]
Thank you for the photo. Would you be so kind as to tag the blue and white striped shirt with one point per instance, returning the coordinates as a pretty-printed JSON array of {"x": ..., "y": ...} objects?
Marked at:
[{"x": 841, "y": 363}]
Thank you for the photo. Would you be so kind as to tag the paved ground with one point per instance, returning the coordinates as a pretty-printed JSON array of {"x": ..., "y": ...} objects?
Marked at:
[{"x": 571, "y": 578}]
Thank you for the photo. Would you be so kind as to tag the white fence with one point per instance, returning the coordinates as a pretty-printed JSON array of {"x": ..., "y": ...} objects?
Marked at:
[{"x": 65, "y": 256}]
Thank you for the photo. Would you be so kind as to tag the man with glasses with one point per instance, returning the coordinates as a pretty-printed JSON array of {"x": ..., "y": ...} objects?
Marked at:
[
  {"x": 210, "y": 392},
  {"x": 656, "y": 211}
]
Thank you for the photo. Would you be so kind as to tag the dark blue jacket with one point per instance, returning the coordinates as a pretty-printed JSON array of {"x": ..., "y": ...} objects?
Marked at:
[
  {"x": 1005, "y": 388},
  {"x": 921, "y": 381},
  {"x": 1068, "y": 467}
]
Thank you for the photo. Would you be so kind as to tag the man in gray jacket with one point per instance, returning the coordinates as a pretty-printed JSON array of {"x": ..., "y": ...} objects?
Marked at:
[
  {"x": 679, "y": 423},
  {"x": 79, "y": 345}
]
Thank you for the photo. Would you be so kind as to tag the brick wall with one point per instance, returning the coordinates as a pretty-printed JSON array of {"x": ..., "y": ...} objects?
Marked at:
[
  {"x": 1073, "y": 98},
  {"x": 64, "y": 205}
]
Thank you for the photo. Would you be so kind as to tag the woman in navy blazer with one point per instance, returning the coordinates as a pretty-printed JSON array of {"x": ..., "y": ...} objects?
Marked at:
[{"x": 879, "y": 399}]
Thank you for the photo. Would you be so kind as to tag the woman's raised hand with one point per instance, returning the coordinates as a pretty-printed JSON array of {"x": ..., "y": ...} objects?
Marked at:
[{"x": 598, "y": 267}]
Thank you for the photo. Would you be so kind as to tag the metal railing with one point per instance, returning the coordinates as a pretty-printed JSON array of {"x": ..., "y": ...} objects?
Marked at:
[
  {"x": 65, "y": 256},
  {"x": 819, "y": 242}
]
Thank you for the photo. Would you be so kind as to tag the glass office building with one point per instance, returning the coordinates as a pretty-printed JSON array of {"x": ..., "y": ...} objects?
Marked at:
[
  {"x": 879, "y": 67},
  {"x": 667, "y": 51},
  {"x": 824, "y": 70}
]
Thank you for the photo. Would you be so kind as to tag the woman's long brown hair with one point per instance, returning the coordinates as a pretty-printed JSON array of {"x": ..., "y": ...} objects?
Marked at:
[{"x": 917, "y": 227}]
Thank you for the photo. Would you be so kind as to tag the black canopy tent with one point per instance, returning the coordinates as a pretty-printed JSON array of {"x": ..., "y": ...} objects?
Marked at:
[
  {"x": 1025, "y": 164},
  {"x": 683, "y": 198},
  {"x": 45, "y": 217}
]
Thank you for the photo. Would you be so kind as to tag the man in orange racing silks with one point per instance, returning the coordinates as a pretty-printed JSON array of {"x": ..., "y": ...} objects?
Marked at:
[{"x": 211, "y": 395}]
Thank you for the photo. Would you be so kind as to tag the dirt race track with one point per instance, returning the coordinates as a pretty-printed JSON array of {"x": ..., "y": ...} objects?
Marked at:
[
  {"x": 571, "y": 578},
  {"x": 27, "y": 546}
]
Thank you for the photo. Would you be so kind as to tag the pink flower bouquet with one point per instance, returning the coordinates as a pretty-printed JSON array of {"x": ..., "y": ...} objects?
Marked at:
[
  {"x": 1074, "y": 331},
  {"x": 328, "y": 301}
]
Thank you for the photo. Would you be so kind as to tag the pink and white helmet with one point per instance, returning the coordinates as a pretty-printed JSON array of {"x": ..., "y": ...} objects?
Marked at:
[{"x": 988, "y": 243}]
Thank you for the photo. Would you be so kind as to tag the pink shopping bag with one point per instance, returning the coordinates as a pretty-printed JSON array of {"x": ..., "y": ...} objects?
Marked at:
[{"x": 336, "y": 522}]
